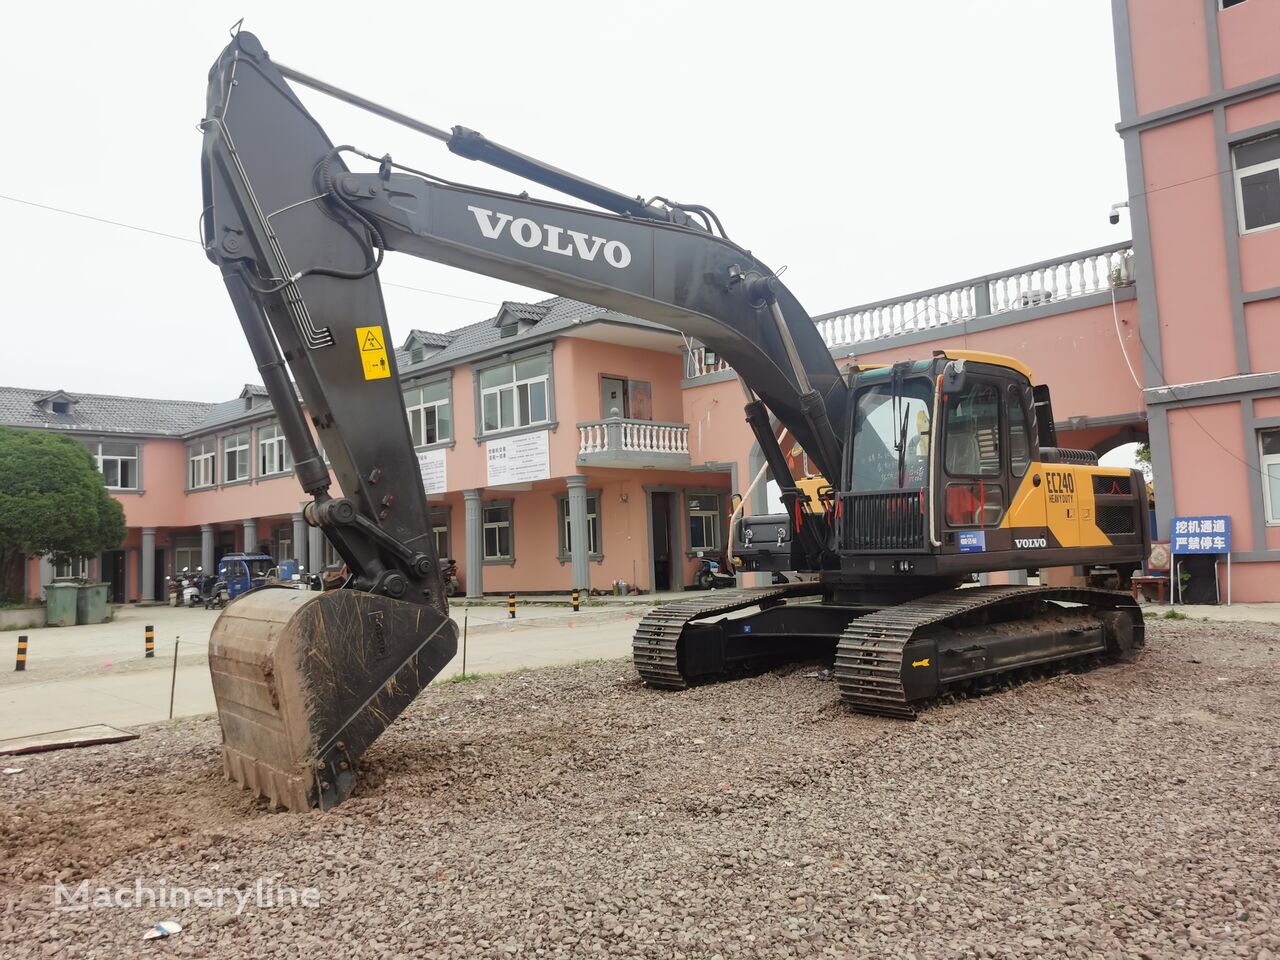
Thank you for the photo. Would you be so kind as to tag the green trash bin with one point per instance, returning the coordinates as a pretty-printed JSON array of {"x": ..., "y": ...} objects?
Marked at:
[
  {"x": 60, "y": 603},
  {"x": 91, "y": 603}
]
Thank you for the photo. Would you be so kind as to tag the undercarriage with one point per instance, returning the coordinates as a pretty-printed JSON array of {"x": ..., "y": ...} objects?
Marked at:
[{"x": 889, "y": 660}]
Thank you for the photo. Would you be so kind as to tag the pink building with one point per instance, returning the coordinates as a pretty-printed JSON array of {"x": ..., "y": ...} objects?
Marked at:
[
  {"x": 1199, "y": 84},
  {"x": 1174, "y": 337}
]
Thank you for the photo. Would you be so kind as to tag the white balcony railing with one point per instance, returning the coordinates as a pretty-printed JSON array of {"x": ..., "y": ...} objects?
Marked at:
[
  {"x": 601, "y": 441},
  {"x": 1050, "y": 281}
]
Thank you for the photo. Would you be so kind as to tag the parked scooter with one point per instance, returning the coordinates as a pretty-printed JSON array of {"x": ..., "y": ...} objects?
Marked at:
[
  {"x": 711, "y": 575},
  {"x": 449, "y": 573},
  {"x": 185, "y": 588}
]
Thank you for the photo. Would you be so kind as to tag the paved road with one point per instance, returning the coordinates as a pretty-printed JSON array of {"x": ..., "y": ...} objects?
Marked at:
[{"x": 99, "y": 673}]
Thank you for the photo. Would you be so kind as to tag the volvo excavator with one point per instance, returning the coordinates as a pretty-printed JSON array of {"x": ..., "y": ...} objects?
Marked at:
[{"x": 942, "y": 468}]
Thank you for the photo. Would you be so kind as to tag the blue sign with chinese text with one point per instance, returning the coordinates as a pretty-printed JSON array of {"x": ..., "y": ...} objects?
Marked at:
[
  {"x": 1201, "y": 535},
  {"x": 972, "y": 541}
]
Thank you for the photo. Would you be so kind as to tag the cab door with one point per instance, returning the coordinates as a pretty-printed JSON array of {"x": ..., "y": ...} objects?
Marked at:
[{"x": 975, "y": 472}]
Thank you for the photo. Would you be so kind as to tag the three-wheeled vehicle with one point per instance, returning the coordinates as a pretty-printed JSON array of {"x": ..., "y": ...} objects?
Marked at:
[{"x": 242, "y": 572}]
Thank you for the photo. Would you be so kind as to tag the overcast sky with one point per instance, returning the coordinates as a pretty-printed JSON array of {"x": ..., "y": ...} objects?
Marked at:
[{"x": 873, "y": 148}]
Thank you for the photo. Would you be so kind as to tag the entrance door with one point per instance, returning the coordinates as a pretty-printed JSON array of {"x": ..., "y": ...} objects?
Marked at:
[
  {"x": 113, "y": 573},
  {"x": 161, "y": 588},
  {"x": 613, "y": 397},
  {"x": 663, "y": 567}
]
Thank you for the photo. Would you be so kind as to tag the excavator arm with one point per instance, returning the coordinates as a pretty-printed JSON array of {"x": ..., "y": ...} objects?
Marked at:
[{"x": 305, "y": 683}]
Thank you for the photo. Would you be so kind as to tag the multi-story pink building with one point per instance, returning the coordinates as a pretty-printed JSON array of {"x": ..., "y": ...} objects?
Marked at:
[
  {"x": 1175, "y": 338},
  {"x": 1199, "y": 84}
]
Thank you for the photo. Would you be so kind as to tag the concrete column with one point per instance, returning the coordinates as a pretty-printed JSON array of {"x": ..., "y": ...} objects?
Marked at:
[
  {"x": 148, "y": 591},
  {"x": 475, "y": 543},
  {"x": 206, "y": 548},
  {"x": 315, "y": 549},
  {"x": 580, "y": 544},
  {"x": 250, "y": 536},
  {"x": 299, "y": 540}
]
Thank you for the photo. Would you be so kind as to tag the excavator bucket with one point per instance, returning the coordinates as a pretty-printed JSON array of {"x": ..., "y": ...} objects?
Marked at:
[{"x": 306, "y": 681}]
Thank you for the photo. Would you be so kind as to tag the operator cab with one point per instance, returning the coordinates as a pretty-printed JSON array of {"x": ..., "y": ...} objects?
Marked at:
[{"x": 953, "y": 469}]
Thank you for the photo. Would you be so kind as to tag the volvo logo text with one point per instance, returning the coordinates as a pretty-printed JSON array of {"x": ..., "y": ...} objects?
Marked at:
[
  {"x": 1031, "y": 544},
  {"x": 569, "y": 243}
]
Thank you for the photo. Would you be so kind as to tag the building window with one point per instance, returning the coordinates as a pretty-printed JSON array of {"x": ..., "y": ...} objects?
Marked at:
[
  {"x": 118, "y": 463},
  {"x": 1231, "y": 3},
  {"x": 440, "y": 532},
  {"x": 496, "y": 518},
  {"x": 69, "y": 568},
  {"x": 202, "y": 458},
  {"x": 1257, "y": 173},
  {"x": 235, "y": 457},
  {"x": 1269, "y": 442},
  {"x": 417, "y": 355},
  {"x": 704, "y": 521},
  {"x": 515, "y": 394},
  {"x": 429, "y": 417},
  {"x": 593, "y": 527},
  {"x": 273, "y": 451},
  {"x": 186, "y": 553}
]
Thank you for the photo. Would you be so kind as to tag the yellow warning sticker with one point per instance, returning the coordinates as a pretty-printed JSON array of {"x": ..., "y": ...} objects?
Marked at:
[
  {"x": 920, "y": 663},
  {"x": 373, "y": 353}
]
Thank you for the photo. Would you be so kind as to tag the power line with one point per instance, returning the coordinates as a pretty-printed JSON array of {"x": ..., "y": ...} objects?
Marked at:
[{"x": 174, "y": 236}]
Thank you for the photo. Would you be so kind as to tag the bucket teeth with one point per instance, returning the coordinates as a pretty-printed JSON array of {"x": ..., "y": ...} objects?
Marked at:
[{"x": 305, "y": 682}]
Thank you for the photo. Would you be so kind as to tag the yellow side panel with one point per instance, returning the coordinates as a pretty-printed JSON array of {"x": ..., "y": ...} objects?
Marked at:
[{"x": 1027, "y": 508}]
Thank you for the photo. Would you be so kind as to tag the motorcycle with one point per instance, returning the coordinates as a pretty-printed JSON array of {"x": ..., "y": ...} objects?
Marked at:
[
  {"x": 711, "y": 575},
  {"x": 184, "y": 590},
  {"x": 449, "y": 573},
  {"x": 213, "y": 593}
]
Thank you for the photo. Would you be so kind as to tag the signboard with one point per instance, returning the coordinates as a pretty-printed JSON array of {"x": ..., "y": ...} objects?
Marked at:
[
  {"x": 520, "y": 459},
  {"x": 1201, "y": 535},
  {"x": 972, "y": 541},
  {"x": 431, "y": 465}
]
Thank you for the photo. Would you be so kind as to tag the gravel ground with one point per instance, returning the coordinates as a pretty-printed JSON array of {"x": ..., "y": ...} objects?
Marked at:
[{"x": 1131, "y": 811}]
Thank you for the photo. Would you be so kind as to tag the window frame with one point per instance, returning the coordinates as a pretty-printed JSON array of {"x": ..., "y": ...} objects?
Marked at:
[
  {"x": 274, "y": 438},
  {"x": 1014, "y": 398},
  {"x": 510, "y": 506},
  {"x": 1270, "y": 508},
  {"x": 422, "y": 406},
  {"x": 562, "y": 527},
  {"x": 77, "y": 567},
  {"x": 1001, "y": 418},
  {"x": 435, "y": 516},
  {"x": 511, "y": 359},
  {"x": 718, "y": 515},
  {"x": 206, "y": 451},
  {"x": 99, "y": 459},
  {"x": 1238, "y": 174},
  {"x": 247, "y": 450}
]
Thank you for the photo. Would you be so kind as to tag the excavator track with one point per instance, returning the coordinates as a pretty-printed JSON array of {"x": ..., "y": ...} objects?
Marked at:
[
  {"x": 656, "y": 645},
  {"x": 893, "y": 660}
]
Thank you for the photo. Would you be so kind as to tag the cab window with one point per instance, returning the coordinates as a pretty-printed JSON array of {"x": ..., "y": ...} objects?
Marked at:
[
  {"x": 1019, "y": 433},
  {"x": 973, "y": 432}
]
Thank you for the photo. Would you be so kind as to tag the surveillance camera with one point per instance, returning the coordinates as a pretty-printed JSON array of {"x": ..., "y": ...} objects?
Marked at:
[{"x": 1114, "y": 218}]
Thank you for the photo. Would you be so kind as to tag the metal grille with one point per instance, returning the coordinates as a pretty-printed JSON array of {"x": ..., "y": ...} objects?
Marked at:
[
  {"x": 1083, "y": 458},
  {"x": 1113, "y": 520},
  {"x": 883, "y": 521},
  {"x": 1113, "y": 486}
]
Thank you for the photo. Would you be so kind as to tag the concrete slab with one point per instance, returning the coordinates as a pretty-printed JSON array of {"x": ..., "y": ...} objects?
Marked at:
[{"x": 65, "y": 739}]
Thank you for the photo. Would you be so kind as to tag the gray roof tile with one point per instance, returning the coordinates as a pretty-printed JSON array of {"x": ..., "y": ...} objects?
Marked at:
[{"x": 98, "y": 413}]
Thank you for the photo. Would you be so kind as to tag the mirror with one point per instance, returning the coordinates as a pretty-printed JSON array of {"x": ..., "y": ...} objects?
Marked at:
[{"x": 954, "y": 378}]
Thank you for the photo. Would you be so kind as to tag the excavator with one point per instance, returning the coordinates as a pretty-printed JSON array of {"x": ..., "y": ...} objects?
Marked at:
[{"x": 942, "y": 469}]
